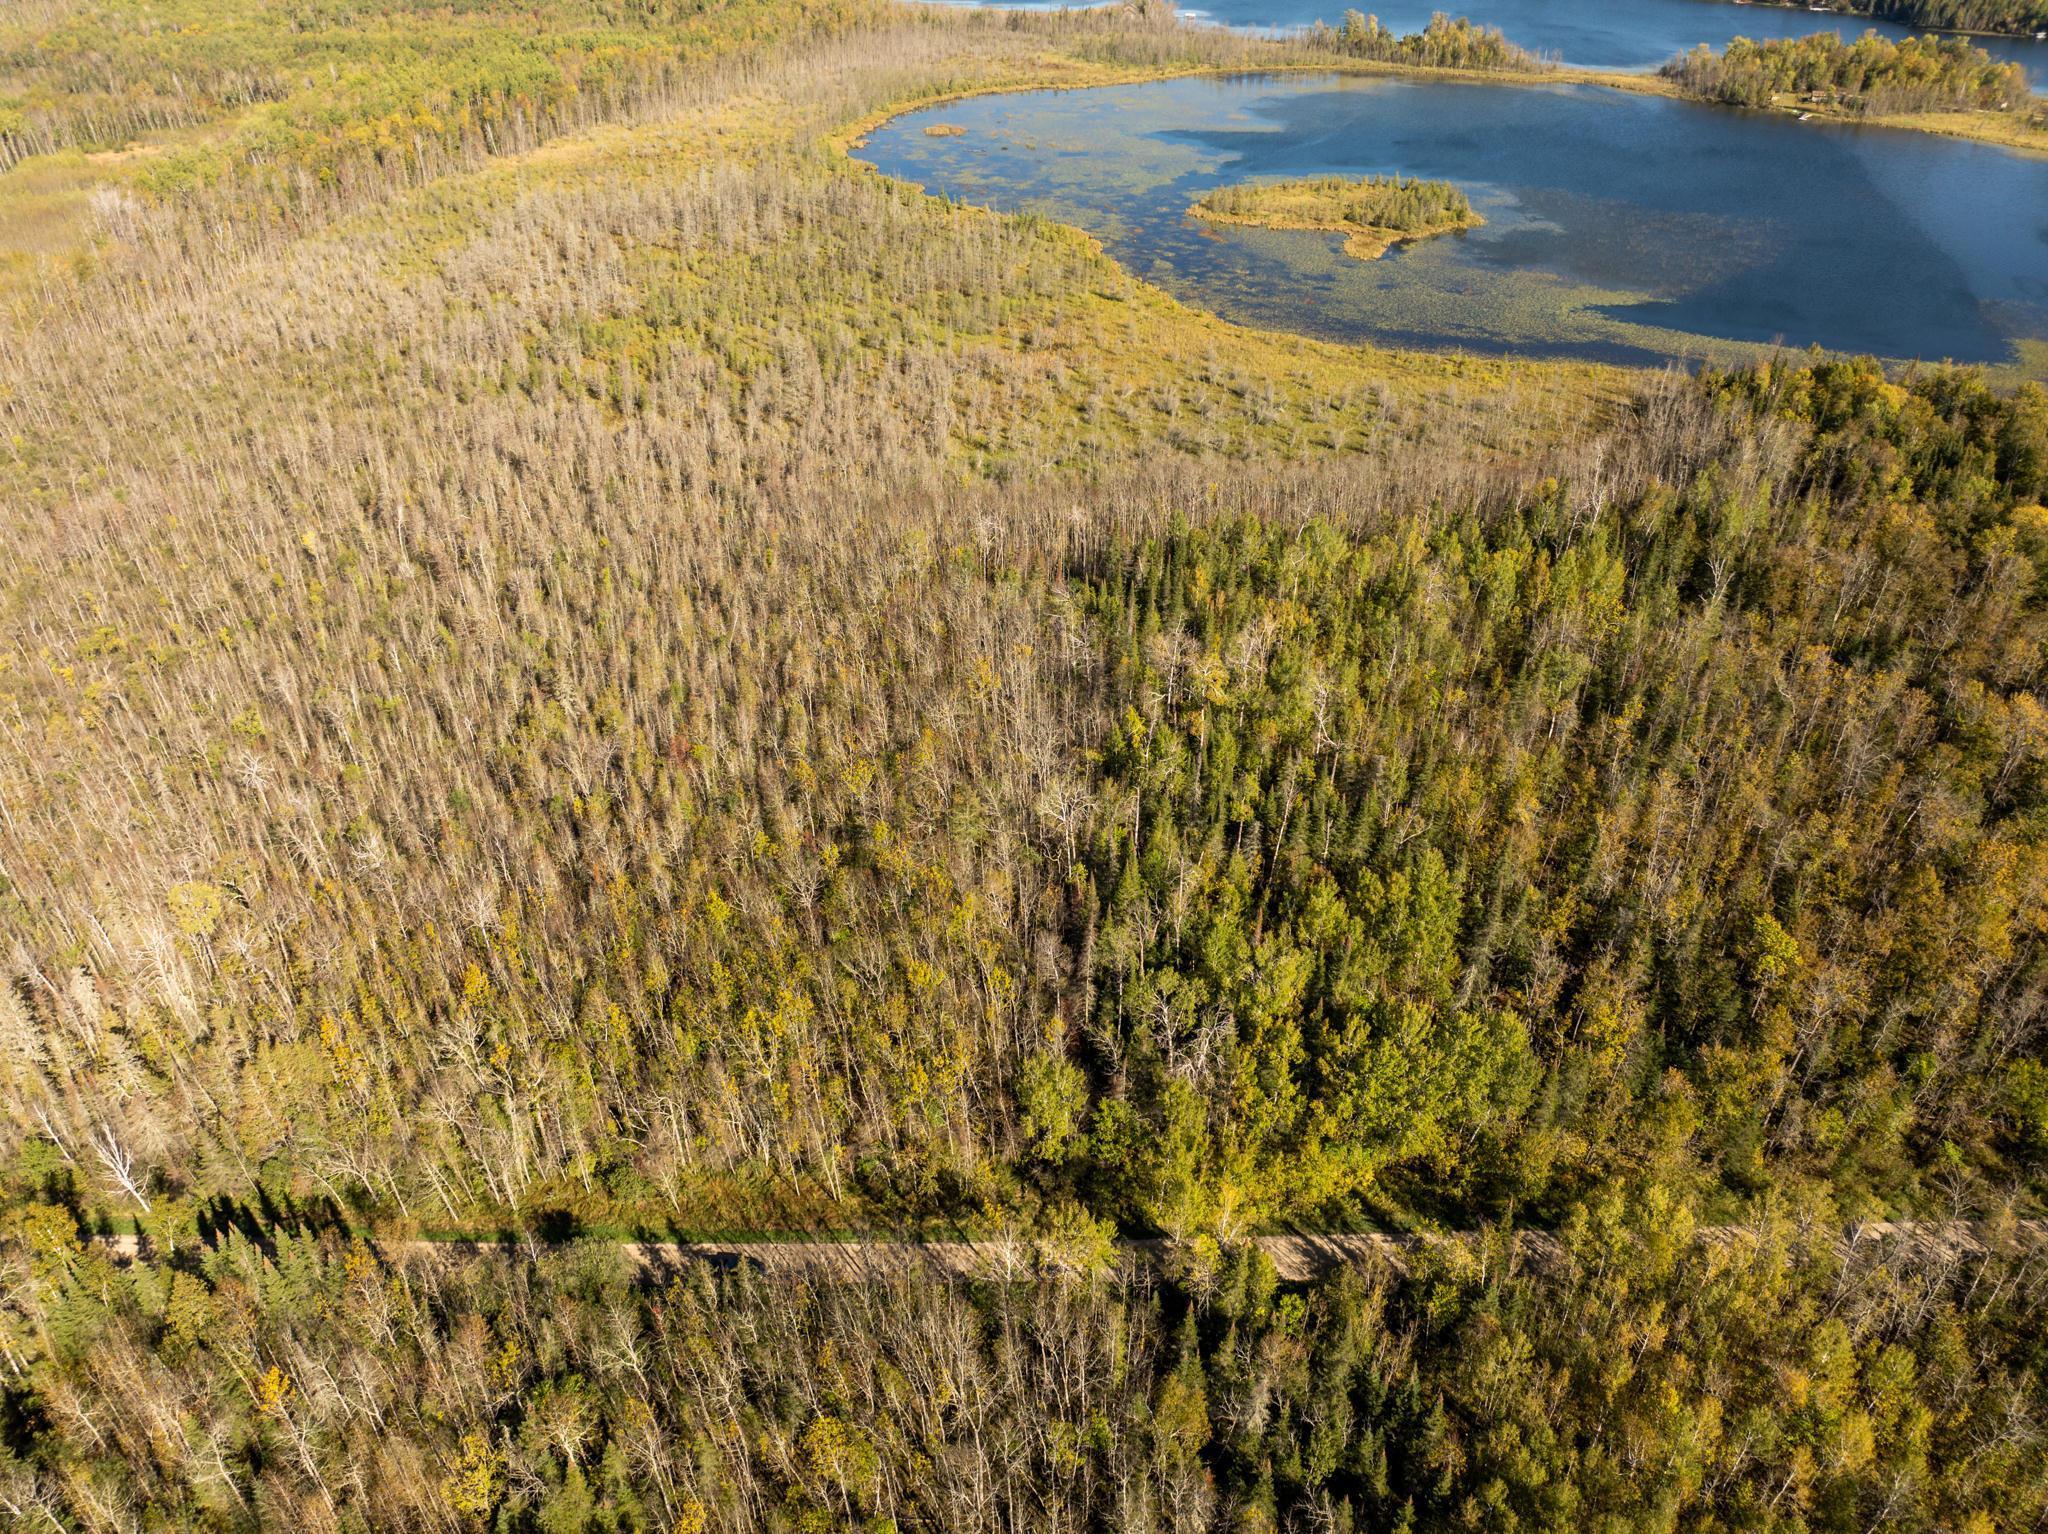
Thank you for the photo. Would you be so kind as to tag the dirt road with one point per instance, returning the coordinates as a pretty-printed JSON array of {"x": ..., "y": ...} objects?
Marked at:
[{"x": 1295, "y": 1258}]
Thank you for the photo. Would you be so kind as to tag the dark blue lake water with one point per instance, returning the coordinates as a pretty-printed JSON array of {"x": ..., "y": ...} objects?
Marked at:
[{"x": 1619, "y": 227}]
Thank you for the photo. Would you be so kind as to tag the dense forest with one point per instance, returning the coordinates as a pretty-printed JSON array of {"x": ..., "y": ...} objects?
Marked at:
[
  {"x": 303, "y": 82},
  {"x": 2023, "y": 17},
  {"x": 597, "y": 667},
  {"x": 1444, "y": 44},
  {"x": 1919, "y": 74},
  {"x": 1696, "y": 829}
]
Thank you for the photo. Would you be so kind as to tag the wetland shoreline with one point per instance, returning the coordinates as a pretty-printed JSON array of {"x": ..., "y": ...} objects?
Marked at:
[{"x": 1563, "y": 278}]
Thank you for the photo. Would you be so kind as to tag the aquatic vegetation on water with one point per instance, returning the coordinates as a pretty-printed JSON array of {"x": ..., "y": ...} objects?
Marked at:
[{"x": 1615, "y": 227}]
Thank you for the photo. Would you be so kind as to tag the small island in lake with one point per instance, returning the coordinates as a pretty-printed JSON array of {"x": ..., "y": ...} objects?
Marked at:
[{"x": 1377, "y": 212}]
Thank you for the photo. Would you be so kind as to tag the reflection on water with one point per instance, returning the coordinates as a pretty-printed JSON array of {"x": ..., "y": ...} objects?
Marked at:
[{"x": 1619, "y": 227}]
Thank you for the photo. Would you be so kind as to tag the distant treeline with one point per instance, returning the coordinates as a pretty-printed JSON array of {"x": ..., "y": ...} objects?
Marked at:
[
  {"x": 2021, "y": 16},
  {"x": 391, "y": 81},
  {"x": 1872, "y": 74},
  {"x": 1443, "y": 44}
]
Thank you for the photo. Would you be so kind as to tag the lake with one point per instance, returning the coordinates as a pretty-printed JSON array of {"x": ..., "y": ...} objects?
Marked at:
[
  {"x": 1600, "y": 34},
  {"x": 1618, "y": 227}
]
